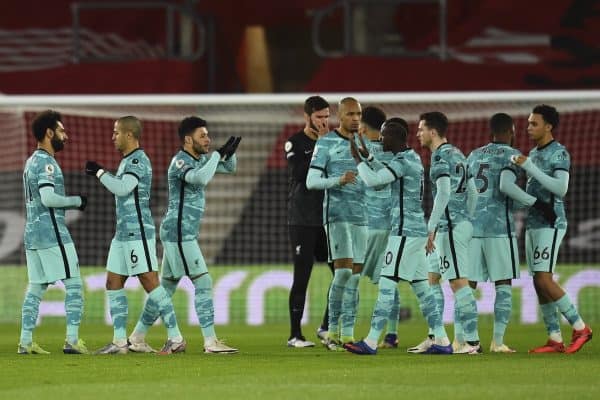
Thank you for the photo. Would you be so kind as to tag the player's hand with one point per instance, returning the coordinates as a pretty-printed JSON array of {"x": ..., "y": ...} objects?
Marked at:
[
  {"x": 233, "y": 147},
  {"x": 229, "y": 148},
  {"x": 92, "y": 168},
  {"x": 319, "y": 126},
  {"x": 354, "y": 152},
  {"x": 430, "y": 246},
  {"x": 363, "y": 147},
  {"x": 83, "y": 203},
  {"x": 518, "y": 159},
  {"x": 225, "y": 148},
  {"x": 348, "y": 177},
  {"x": 546, "y": 210}
]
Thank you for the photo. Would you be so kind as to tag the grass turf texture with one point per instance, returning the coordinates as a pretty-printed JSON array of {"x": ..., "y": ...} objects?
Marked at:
[{"x": 267, "y": 369}]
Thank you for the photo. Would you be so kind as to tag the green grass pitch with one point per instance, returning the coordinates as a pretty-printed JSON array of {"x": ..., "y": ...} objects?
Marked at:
[{"x": 266, "y": 369}]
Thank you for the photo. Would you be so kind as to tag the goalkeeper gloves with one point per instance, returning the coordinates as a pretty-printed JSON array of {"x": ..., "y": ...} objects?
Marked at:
[
  {"x": 546, "y": 210},
  {"x": 83, "y": 203},
  {"x": 93, "y": 168},
  {"x": 229, "y": 148}
]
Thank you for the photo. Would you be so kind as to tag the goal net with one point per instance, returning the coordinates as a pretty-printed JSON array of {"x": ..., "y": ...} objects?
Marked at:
[{"x": 244, "y": 231}]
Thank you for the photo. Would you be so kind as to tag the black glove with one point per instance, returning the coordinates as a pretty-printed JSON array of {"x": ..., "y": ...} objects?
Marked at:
[
  {"x": 234, "y": 147},
  {"x": 546, "y": 210},
  {"x": 223, "y": 150},
  {"x": 83, "y": 203},
  {"x": 92, "y": 167},
  {"x": 229, "y": 148}
]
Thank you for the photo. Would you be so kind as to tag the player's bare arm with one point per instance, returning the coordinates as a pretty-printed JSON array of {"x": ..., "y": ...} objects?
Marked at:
[{"x": 430, "y": 247}]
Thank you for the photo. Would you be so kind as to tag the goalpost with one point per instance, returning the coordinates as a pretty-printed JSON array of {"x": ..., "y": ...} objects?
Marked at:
[{"x": 246, "y": 214}]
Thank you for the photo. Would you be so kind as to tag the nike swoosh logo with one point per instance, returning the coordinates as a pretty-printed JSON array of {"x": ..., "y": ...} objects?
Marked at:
[{"x": 307, "y": 151}]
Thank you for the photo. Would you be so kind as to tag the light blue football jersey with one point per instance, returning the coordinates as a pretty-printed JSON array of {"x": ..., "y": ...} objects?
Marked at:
[
  {"x": 45, "y": 227},
  {"x": 134, "y": 218},
  {"x": 378, "y": 199},
  {"x": 552, "y": 157},
  {"x": 341, "y": 203},
  {"x": 448, "y": 160},
  {"x": 493, "y": 214},
  {"x": 186, "y": 200},
  {"x": 408, "y": 218}
]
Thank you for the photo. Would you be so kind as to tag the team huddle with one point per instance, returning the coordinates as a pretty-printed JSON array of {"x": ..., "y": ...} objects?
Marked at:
[
  {"x": 375, "y": 226},
  {"x": 371, "y": 186},
  {"x": 51, "y": 255}
]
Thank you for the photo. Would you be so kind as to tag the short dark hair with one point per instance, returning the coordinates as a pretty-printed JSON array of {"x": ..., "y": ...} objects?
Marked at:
[
  {"x": 132, "y": 124},
  {"x": 435, "y": 120},
  {"x": 348, "y": 99},
  {"x": 395, "y": 129},
  {"x": 374, "y": 117},
  {"x": 315, "y": 103},
  {"x": 397, "y": 120},
  {"x": 548, "y": 113},
  {"x": 501, "y": 123},
  {"x": 48, "y": 119},
  {"x": 188, "y": 125}
]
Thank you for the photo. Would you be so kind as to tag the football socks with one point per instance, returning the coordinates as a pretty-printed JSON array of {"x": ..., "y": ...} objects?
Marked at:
[{"x": 73, "y": 307}]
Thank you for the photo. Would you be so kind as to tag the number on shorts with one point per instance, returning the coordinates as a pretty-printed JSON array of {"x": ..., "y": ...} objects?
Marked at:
[
  {"x": 389, "y": 258},
  {"x": 544, "y": 255},
  {"x": 444, "y": 263},
  {"x": 134, "y": 257}
]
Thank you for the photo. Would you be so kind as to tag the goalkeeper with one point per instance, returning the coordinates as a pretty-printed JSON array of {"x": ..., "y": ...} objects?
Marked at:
[{"x": 191, "y": 169}]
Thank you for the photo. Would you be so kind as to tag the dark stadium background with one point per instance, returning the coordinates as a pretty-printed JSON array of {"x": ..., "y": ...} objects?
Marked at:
[
  {"x": 493, "y": 45},
  {"x": 488, "y": 42}
]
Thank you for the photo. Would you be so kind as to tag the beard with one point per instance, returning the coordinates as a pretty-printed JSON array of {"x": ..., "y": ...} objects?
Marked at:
[
  {"x": 57, "y": 144},
  {"x": 198, "y": 149}
]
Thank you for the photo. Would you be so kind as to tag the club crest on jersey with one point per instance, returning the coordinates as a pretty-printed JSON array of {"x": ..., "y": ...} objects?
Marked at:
[
  {"x": 49, "y": 169},
  {"x": 287, "y": 146},
  {"x": 179, "y": 163}
]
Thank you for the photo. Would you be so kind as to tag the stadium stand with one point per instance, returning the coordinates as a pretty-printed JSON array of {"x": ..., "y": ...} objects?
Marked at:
[{"x": 557, "y": 49}]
